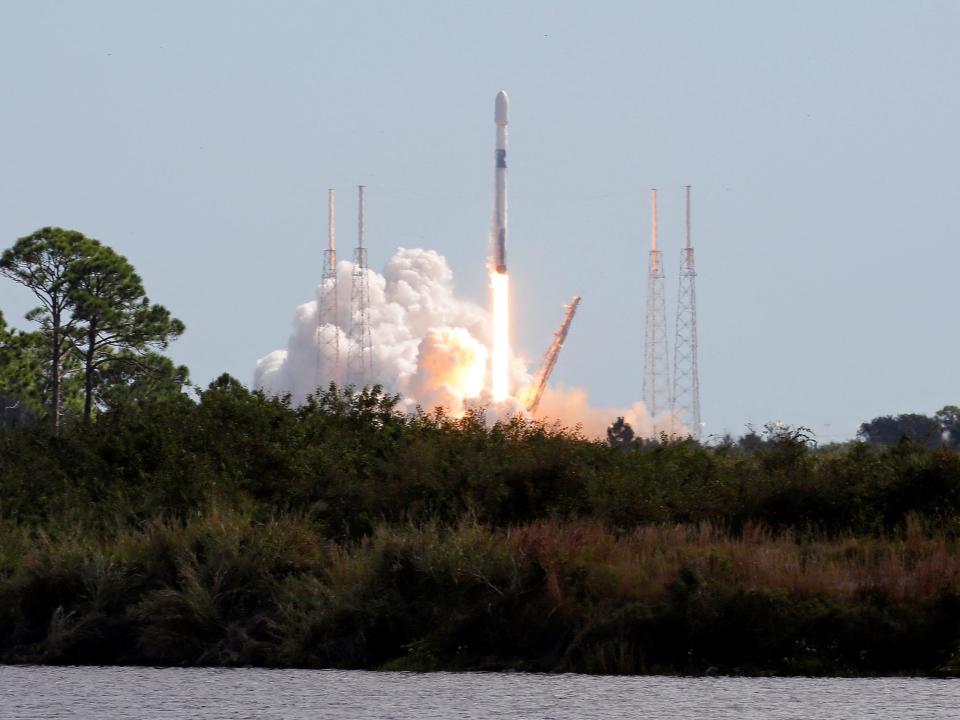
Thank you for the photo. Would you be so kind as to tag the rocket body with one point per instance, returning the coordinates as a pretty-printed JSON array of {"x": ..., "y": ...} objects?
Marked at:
[{"x": 501, "y": 111}]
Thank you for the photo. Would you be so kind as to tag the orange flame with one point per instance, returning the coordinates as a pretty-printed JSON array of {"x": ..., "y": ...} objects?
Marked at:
[{"x": 500, "y": 357}]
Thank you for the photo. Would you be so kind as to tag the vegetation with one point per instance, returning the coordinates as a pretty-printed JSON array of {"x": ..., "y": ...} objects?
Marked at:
[
  {"x": 145, "y": 525},
  {"x": 943, "y": 429},
  {"x": 227, "y": 589},
  {"x": 240, "y": 530},
  {"x": 94, "y": 316}
]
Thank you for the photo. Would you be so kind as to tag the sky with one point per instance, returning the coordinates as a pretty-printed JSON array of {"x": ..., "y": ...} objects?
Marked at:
[{"x": 199, "y": 138}]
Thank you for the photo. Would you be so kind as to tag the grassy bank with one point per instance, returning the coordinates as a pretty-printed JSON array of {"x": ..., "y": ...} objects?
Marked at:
[
  {"x": 225, "y": 589},
  {"x": 239, "y": 530}
]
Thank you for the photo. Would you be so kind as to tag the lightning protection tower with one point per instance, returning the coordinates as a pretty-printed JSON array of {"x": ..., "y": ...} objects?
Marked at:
[
  {"x": 686, "y": 379},
  {"x": 328, "y": 333},
  {"x": 360, "y": 352},
  {"x": 656, "y": 366}
]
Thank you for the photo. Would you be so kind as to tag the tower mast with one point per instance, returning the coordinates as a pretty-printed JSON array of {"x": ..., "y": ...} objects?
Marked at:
[
  {"x": 328, "y": 331},
  {"x": 656, "y": 370},
  {"x": 360, "y": 353},
  {"x": 686, "y": 378}
]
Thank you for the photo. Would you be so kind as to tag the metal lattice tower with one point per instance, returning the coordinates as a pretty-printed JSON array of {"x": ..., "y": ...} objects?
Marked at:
[
  {"x": 328, "y": 333},
  {"x": 686, "y": 379},
  {"x": 360, "y": 352},
  {"x": 656, "y": 366}
]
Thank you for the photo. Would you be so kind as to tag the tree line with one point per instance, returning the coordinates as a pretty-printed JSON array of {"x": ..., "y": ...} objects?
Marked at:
[{"x": 942, "y": 429}]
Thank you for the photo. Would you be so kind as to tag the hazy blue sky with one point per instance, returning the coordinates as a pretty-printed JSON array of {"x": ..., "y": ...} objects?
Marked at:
[{"x": 820, "y": 138}]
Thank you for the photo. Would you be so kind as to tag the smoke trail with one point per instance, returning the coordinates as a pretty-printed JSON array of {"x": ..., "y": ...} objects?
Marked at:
[{"x": 429, "y": 346}]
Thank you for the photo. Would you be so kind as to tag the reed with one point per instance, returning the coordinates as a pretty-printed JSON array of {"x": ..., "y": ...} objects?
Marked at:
[{"x": 229, "y": 588}]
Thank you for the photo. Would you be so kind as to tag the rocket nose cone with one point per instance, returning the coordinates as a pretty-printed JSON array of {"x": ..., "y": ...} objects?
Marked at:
[{"x": 501, "y": 108}]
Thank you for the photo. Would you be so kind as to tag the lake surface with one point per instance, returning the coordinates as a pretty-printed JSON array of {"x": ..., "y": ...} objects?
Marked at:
[{"x": 160, "y": 694}]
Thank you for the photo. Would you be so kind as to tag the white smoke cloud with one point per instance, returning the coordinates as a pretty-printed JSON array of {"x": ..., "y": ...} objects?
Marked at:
[{"x": 428, "y": 345}]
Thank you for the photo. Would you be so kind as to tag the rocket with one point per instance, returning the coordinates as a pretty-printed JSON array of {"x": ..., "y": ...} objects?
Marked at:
[{"x": 500, "y": 112}]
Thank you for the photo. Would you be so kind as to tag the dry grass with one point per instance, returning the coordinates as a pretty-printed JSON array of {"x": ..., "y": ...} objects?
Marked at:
[
  {"x": 226, "y": 589},
  {"x": 641, "y": 564}
]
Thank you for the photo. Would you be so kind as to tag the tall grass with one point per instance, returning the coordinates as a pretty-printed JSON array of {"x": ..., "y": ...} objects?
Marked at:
[{"x": 228, "y": 588}]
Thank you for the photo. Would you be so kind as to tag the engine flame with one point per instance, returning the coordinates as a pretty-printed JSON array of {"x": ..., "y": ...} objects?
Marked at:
[{"x": 500, "y": 357}]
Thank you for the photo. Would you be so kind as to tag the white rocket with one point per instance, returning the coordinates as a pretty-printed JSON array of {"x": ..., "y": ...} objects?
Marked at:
[{"x": 501, "y": 110}]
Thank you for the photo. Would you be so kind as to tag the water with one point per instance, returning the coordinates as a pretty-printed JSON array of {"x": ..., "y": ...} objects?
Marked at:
[{"x": 161, "y": 694}]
